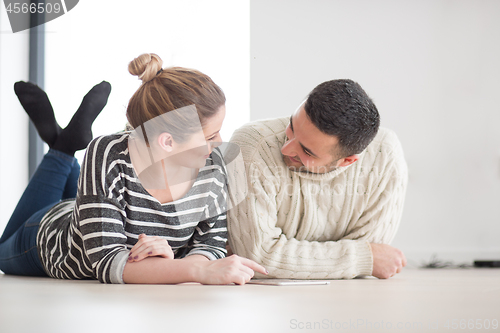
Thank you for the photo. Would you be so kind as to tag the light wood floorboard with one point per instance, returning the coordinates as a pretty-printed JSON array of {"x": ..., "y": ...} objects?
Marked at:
[{"x": 417, "y": 300}]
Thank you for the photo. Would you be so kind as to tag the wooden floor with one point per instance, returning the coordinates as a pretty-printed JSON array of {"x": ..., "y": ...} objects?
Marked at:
[{"x": 417, "y": 300}]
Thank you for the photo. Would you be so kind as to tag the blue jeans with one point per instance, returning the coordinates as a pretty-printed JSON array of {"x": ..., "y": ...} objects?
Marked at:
[{"x": 55, "y": 179}]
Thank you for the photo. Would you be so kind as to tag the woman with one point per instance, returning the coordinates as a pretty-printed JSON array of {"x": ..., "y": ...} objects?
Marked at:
[{"x": 148, "y": 205}]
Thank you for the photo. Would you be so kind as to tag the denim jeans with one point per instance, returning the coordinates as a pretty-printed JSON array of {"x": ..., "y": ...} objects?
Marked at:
[{"x": 55, "y": 179}]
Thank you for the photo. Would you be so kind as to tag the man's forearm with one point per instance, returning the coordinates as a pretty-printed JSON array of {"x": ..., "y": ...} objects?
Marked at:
[{"x": 287, "y": 258}]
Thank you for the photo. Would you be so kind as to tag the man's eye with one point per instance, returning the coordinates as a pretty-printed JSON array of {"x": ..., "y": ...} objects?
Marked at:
[{"x": 307, "y": 153}]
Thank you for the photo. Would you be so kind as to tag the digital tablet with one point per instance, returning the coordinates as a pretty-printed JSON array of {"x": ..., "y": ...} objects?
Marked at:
[{"x": 287, "y": 282}]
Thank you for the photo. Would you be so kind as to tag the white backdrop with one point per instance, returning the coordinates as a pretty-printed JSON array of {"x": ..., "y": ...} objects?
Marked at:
[
  {"x": 433, "y": 70},
  {"x": 95, "y": 41},
  {"x": 14, "y": 57},
  {"x": 431, "y": 67}
]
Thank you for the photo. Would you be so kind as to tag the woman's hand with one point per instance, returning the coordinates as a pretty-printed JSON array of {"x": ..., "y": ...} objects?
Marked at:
[
  {"x": 150, "y": 246},
  {"x": 233, "y": 269}
]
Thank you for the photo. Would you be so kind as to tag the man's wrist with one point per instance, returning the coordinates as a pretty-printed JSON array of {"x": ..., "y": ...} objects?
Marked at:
[{"x": 364, "y": 258}]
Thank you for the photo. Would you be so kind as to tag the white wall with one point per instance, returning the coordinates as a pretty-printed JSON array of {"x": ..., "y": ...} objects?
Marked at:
[
  {"x": 431, "y": 66},
  {"x": 433, "y": 70},
  {"x": 13, "y": 120},
  {"x": 95, "y": 41}
]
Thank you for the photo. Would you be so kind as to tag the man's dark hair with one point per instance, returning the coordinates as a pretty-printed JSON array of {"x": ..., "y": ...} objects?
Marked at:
[{"x": 343, "y": 109}]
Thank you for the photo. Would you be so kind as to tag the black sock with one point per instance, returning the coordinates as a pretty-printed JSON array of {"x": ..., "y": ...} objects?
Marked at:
[
  {"x": 37, "y": 105},
  {"x": 78, "y": 134}
]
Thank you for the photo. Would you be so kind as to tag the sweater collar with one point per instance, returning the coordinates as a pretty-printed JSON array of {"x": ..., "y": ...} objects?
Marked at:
[{"x": 322, "y": 176}]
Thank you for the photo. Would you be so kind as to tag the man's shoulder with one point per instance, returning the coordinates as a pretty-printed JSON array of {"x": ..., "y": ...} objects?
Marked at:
[
  {"x": 267, "y": 134},
  {"x": 385, "y": 139},
  {"x": 385, "y": 149},
  {"x": 262, "y": 128}
]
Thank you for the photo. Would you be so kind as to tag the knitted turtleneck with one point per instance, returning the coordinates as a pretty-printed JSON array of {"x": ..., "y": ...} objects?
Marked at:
[{"x": 315, "y": 226}]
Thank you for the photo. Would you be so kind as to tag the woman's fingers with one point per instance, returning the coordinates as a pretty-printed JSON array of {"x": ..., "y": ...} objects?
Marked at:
[
  {"x": 233, "y": 269},
  {"x": 150, "y": 246},
  {"x": 140, "y": 241},
  {"x": 253, "y": 265},
  {"x": 248, "y": 271},
  {"x": 154, "y": 250}
]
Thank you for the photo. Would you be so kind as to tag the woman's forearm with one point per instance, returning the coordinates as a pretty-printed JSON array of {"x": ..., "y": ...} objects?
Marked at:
[
  {"x": 157, "y": 270},
  {"x": 195, "y": 268}
]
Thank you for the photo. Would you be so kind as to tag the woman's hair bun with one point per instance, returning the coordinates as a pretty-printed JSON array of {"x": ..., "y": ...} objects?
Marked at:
[{"x": 145, "y": 66}]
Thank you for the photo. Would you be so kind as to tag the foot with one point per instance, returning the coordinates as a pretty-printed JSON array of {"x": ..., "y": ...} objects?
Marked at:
[
  {"x": 37, "y": 105},
  {"x": 78, "y": 134}
]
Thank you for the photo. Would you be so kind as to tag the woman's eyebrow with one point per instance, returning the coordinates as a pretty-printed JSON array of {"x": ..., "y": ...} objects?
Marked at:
[{"x": 212, "y": 134}]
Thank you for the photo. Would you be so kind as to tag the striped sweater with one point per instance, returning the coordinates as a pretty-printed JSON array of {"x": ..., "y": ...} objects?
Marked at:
[
  {"x": 316, "y": 226},
  {"x": 91, "y": 236}
]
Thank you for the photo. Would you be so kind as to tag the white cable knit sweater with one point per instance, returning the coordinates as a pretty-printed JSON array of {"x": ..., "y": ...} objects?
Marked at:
[{"x": 315, "y": 226}]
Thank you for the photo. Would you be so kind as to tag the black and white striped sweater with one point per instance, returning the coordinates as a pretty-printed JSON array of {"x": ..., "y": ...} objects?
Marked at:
[{"x": 91, "y": 236}]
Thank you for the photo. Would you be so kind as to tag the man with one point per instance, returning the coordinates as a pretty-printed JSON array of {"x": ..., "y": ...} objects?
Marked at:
[{"x": 326, "y": 189}]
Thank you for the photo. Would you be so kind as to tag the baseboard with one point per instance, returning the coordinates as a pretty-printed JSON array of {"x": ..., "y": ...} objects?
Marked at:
[{"x": 419, "y": 257}]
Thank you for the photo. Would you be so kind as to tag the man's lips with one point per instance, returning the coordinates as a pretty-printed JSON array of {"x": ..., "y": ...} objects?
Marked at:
[{"x": 293, "y": 159}]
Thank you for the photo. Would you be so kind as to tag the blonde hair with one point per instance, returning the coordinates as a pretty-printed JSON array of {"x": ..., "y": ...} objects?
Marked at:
[{"x": 167, "y": 89}]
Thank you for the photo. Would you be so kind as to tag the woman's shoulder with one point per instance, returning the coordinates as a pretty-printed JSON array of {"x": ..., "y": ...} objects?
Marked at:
[
  {"x": 105, "y": 151},
  {"x": 119, "y": 139},
  {"x": 105, "y": 161},
  {"x": 108, "y": 147},
  {"x": 215, "y": 167}
]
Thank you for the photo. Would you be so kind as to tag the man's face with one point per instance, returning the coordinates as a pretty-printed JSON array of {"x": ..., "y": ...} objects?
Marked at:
[{"x": 307, "y": 149}]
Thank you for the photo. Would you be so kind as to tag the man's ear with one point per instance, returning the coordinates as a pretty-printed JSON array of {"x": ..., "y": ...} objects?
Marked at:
[
  {"x": 343, "y": 162},
  {"x": 165, "y": 141}
]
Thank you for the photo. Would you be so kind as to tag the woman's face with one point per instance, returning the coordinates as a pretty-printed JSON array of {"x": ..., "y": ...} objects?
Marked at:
[{"x": 194, "y": 152}]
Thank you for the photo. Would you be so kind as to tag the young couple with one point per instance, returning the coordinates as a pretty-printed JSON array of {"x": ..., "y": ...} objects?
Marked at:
[{"x": 149, "y": 205}]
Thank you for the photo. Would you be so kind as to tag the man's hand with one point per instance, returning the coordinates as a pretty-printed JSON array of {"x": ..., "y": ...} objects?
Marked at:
[{"x": 387, "y": 260}]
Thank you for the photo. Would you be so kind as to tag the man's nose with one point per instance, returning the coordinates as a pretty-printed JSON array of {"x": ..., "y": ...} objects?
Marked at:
[{"x": 288, "y": 148}]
